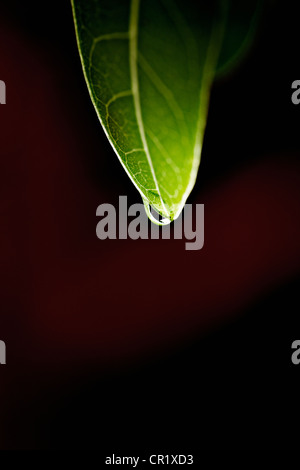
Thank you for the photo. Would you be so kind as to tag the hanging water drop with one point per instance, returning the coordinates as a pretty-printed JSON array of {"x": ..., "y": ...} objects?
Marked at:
[{"x": 162, "y": 222}]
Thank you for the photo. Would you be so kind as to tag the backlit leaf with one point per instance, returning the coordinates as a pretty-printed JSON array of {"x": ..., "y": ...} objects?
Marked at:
[{"x": 149, "y": 66}]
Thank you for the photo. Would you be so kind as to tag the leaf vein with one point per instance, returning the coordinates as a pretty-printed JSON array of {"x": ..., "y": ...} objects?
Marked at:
[
  {"x": 133, "y": 36},
  {"x": 162, "y": 88}
]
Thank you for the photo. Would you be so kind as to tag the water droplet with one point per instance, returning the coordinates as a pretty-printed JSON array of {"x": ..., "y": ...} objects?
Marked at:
[{"x": 163, "y": 221}]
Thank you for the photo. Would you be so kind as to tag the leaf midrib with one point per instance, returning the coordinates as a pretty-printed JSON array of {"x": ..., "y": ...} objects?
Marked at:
[{"x": 133, "y": 57}]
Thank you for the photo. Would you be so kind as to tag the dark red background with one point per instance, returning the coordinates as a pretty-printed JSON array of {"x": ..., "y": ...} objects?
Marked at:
[{"x": 141, "y": 344}]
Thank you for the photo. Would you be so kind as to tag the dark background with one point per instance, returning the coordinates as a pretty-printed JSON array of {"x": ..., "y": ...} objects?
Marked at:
[{"x": 140, "y": 345}]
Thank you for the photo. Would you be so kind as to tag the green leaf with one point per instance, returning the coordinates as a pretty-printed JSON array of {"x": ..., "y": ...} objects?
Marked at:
[{"x": 149, "y": 67}]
